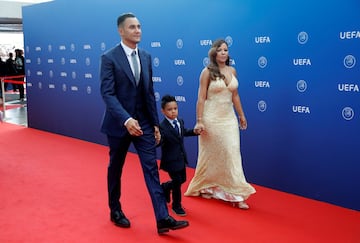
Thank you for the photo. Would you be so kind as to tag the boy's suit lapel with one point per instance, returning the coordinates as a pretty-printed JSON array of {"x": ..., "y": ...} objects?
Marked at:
[{"x": 172, "y": 129}]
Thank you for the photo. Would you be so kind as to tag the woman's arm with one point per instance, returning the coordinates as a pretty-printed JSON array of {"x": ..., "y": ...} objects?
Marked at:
[{"x": 202, "y": 95}]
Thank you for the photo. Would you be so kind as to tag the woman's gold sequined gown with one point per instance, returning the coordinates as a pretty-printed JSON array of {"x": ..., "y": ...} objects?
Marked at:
[{"x": 219, "y": 173}]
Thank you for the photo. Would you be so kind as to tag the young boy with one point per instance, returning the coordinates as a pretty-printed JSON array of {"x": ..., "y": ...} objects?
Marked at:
[{"x": 173, "y": 157}]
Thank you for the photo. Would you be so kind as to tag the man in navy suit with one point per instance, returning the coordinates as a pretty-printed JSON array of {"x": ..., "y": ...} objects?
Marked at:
[{"x": 131, "y": 117}]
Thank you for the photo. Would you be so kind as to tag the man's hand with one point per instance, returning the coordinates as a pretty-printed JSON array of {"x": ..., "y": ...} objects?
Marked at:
[
  {"x": 134, "y": 128},
  {"x": 157, "y": 135}
]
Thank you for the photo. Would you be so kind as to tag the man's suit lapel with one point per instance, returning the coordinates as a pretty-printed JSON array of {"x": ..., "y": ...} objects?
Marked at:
[
  {"x": 144, "y": 71},
  {"x": 126, "y": 65}
]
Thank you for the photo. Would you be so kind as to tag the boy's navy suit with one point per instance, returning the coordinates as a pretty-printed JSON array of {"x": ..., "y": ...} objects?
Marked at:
[
  {"x": 173, "y": 156},
  {"x": 174, "y": 159}
]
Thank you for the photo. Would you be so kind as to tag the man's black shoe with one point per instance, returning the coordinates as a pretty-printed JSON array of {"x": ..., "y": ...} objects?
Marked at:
[
  {"x": 119, "y": 219},
  {"x": 179, "y": 211},
  {"x": 170, "y": 223},
  {"x": 166, "y": 189}
]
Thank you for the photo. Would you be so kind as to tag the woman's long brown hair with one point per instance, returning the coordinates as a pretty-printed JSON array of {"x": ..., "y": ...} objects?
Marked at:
[{"x": 213, "y": 66}]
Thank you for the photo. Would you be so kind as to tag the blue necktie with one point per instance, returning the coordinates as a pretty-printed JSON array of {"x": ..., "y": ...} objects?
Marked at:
[{"x": 176, "y": 127}]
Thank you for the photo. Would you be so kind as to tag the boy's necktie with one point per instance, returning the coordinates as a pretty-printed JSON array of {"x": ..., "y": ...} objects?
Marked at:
[{"x": 176, "y": 127}]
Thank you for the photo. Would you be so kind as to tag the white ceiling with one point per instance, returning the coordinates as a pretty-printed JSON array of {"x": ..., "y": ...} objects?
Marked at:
[{"x": 11, "y": 14}]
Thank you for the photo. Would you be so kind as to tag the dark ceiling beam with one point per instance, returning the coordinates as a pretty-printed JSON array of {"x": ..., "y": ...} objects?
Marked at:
[{"x": 10, "y": 20}]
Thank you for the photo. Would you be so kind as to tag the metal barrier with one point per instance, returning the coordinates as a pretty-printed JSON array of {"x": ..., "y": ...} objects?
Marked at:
[{"x": 8, "y": 79}]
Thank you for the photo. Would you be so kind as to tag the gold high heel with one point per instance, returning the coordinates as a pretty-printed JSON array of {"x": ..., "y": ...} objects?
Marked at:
[{"x": 241, "y": 205}]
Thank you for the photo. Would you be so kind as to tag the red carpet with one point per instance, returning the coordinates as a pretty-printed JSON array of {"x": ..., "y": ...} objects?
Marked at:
[{"x": 53, "y": 189}]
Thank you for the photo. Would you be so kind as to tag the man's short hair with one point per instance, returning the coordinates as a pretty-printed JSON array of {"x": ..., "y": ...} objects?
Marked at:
[{"x": 121, "y": 19}]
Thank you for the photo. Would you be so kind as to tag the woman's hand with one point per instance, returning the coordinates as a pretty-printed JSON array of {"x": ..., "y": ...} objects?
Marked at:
[
  {"x": 199, "y": 128},
  {"x": 243, "y": 122}
]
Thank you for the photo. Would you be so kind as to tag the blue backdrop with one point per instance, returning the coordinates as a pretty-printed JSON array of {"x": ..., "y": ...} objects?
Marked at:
[{"x": 297, "y": 63}]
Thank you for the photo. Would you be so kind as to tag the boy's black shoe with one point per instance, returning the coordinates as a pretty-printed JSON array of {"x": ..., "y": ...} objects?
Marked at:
[
  {"x": 179, "y": 211},
  {"x": 119, "y": 219}
]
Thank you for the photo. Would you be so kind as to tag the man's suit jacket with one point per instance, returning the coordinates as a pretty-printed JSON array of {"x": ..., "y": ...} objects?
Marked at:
[
  {"x": 118, "y": 89},
  {"x": 173, "y": 154}
]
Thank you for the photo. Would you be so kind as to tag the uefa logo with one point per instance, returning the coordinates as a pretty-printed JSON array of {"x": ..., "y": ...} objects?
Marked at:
[
  {"x": 262, "y": 106},
  {"x": 179, "y": 43},
  {"x": 73, "y": 75},
  {"x": 49, "y": 48},
  {"x": 38, "y": 60},
  {"x": 51, "y": 73},
  {"x": 64, "y": 88},
  {"x": 206, "y": 61},
  {"x": 302, "y": 37},
  {"x": 72, "y": 47},
  {"x": 62, "y": 61},
  {"x": 87, "y": 61},
  {"x": 301, "y": 85},
  {"x": 157, "y": 96},
  {"x": 349, "y": 61},
  {"x": 28, "y": 73},
  {"x": 27, "y": 49},
  {"x": 156, "y": 62},
  {"x": 180, "y": 80},
  {"x": 40, "y": 85},
  {"x": 88, "y": 89},
  {"x": 229, "y": 40},
  {"x": 102, "y": 46},
  {"x": 262, "y": 62},
  {"x": 347, "y": 113}
]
